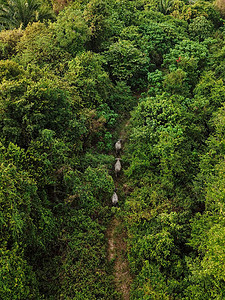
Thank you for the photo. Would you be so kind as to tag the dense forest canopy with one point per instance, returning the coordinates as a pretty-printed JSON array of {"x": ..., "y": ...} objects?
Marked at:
[{"x": 70, "y": 73}]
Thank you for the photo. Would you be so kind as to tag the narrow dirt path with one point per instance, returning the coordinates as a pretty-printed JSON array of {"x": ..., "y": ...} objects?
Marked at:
[
  {"x": 117, "y": 249},
  {"x": 117, "y": 234}
]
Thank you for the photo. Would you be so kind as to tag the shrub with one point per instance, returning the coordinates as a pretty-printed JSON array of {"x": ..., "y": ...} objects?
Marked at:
[
  {"x": 200, "y": 28},
  {"x": 70, "y": 30},
  {"x": 8, "y": 42},
  {"x": 87, "y": 76},
  {"x": 128, "y": 63}
]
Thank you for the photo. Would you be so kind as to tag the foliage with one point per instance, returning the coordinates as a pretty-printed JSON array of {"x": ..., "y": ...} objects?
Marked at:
[
  {"x": 155, "y": 80},
  {"x": 127, "y": 63},
  {"x": 122, "y": 98},
  {"x": 208, "y": 97},
  {"x": 200, "y": 28},
  {"x": 67, "y": 86},
  {"x": 188, "y": 56},
  {"x": 8, "y": 42},
  {"x": 88, "y": 78},
  {"x": 96, "y": 14},
  {"x": 85, "y": 252},
  {"x": 207, "y": 9},
  {"x": 10, "y": 70},
  {"x": 34, "y": 109},
  {"x": 19, "y": 13},
  {"x": 70, "y": 30},
  {"x": 159, "y": 136},
  {"x": 165, "y": 6},
  {"x": 189, "y": 11},
  {"x": 59, "y": 5},
  {"x": 17, "y": 278},
  {"x": 38, "y": 46},
  {"x": 176, "y": 82},
  {"x": 220, "y": 7},
  {"x": 186, "y": 49},
  {"x": 164, "y": 159},
  {"x": 15, "y": 211},
  {"x": 157, "y": 40}
]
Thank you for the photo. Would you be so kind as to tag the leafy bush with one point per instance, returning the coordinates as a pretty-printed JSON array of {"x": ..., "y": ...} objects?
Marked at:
[
  {"x": 17, "y": 278},
  {"x": 176, "y": 82},
  {"x": 38, "y": 46},
  {"x": 32, "y": 107},
  {"x": 71, "y": 31},
  {"x": 96, "y": 14},
  {"x": 10, "y": 70},
  {"x": 158, "y": 39},
  {"x": 200, "y": 28},
  {"x": 189, "y": 56},
  {"x": 127, "y": 63},
  {"x": 89, "y": 79},
  {"x": 8, "y": 42}
]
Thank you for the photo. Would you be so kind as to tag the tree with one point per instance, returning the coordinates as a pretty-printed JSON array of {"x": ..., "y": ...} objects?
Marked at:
[
  {"x": 96, "y": 14},
  {"x": 38, "y": 47},
  {"x": 157, "y": 40},
  {"x": 8, "y": 42},
  {"x": 10, "y": 70},
  {"x": 189, "y": 56},
  {"x": 87, "y": 76},
  {"x": 33, "y": 107},
  {"x": 71, "y": 31},
  {"x": 207, "y": 270},
  {"x": 17, "y": 279},
  {"x": 127, "y": 63},
  {"x": 200, "y": 28},
  {"x": 18, "y": 13},
  {"x": 165, "y": 6}
]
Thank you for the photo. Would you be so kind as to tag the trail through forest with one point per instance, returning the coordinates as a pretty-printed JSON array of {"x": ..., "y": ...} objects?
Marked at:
[
  {"x": 117, "y": 246},
  {"x": 117, "y": 249}
]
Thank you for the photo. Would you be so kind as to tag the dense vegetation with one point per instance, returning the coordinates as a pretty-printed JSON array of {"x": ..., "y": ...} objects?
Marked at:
[{"x": 70, "y": 72}]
